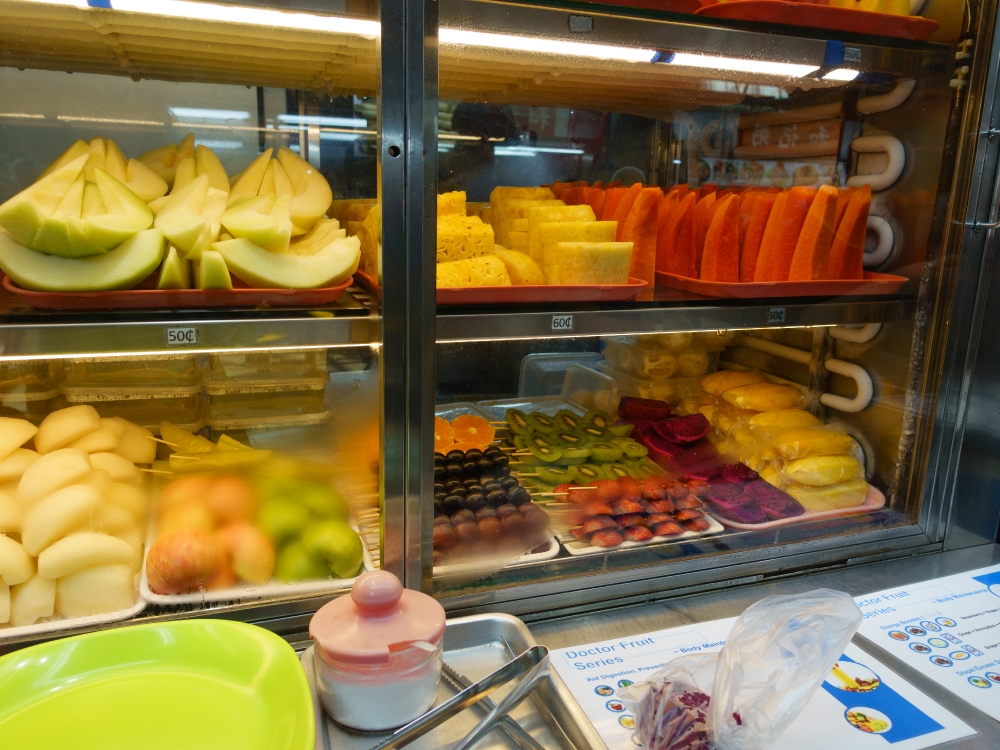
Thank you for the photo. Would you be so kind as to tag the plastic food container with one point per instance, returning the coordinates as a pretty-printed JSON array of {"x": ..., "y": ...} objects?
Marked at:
[
  {"x": 276, "y": 365},
  {"x": 161, "y": 371},
  {"x": 590, "y": 389},
  {"x": 543, "y": 374},
  {"x": 646, "y": 357},
  {"x": 378, "y": 653},
  {"x": 671, "y": 390},
  {"x": 29, "y": 376},
  {"x": 31, "y": 406},
  {"x": 147, "y": 407},
  {"x": 257, "y": 403}
]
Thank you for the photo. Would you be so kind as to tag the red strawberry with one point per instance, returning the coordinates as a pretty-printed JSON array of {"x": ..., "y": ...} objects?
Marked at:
[
  {"x": 629, "y": 489},
  {"x": 637, "y": 534},
  {"x": 697, "y": 487},
  {"x": 562, "y": 488},
  {"x": 663, "y": 506},
  {"x": 677, "y": 489},
  {"x": 597, "y": 523},
  {"x": 606, "y": 538},
  {"x": 654, "y": 519},
  {"x": 597, "y": 509},
  {"x": 607, "y": 489},
  {"x": 622, "y": 506},
  {"x": 577, "y": 532},
  {"x": 687, "y": 515},
  {"x": 631, "y": 519},
  {"x": 686, "y": 503},
  {"x": 697, "y": 524},
  {"x": 578, "y": 495},
  {"x": 668, "y": 528}
]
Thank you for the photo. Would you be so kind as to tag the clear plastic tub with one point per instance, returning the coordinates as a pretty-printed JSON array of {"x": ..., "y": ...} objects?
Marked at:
[
  {"x": 273, "y": 365},
  {"x": 645, "y": 357},
  {"x": 591, "y": 389},
  {"x": 31, "y": 406},
  {"x": 183, "y": 407},
  {"x": 160, "y": 371},
  {"x": 249, "y": 403},
  {"x": 30, "y": 376},
  {"x": 543, "y": 374},
  {"x": 671, "y": 390}
]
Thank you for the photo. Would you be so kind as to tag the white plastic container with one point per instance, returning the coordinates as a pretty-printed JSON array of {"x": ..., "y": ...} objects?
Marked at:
[{"x": 378, "y": 653}]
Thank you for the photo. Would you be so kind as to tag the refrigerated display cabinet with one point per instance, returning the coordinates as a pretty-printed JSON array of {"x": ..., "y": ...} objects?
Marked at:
[{"x": 399, "y": 103}]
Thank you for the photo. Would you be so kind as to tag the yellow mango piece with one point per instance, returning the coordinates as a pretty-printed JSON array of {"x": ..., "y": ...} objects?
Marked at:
[
  {"x": 830, "y": 497},
  {"x": 723, "y": 380},
  {"x": 783, "y": 419},
  {"x": 764, "y": 396},
  {"x": 812, "y": 441},
  {"x": 818, "y": 471}
]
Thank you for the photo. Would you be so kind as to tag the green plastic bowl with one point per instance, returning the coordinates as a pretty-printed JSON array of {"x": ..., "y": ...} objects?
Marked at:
[{"x": 191, "y": 685}]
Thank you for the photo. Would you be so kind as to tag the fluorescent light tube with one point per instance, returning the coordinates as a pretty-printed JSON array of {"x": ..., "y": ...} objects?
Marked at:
[
  {"x": 543, "y": 46},
  {"x": 209, "y": 114},
  {"x": 532, "y": 150},
  {"x": 220, "y": 145},
  {"x": 335, "y": 122},
  {"x": 842, "y": 74},
  {"x": 737, "y": 64}
]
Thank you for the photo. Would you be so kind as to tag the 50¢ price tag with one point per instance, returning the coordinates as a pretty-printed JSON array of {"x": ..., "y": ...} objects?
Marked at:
[{"x": 186, "y": 336}]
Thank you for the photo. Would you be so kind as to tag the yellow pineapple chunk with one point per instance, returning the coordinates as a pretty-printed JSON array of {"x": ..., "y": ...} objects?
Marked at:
[
  {"x": 510, "y": 206},
  {"x": 551, "y": 232},
  {"x": 518, "y": 241},
  {"x": 488, "y": 270},
  {"x": 519, "y": 225},
  {"x": 587, "y": 262},
  {"x": 451, "y": 204},
  {"x": 462, "y": 237},
  {"x": 542, "y": 214},
  {"x": 522, "y": 269}
]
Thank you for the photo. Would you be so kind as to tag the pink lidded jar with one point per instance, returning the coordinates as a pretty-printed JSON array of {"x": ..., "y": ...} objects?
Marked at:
[{"x": 378, "y": 653}]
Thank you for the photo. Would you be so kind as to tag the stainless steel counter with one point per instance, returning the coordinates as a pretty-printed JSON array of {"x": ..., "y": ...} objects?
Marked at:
[{"x": 862, "y": 579}]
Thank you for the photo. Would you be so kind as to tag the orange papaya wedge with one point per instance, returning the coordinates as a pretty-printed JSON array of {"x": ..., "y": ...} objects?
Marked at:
[
  {"x": 721, "y": 258},
  {"x": 848, "y": 248},
  {"x": 812, "y": 250},
  {"x": 750, "y": 247}
]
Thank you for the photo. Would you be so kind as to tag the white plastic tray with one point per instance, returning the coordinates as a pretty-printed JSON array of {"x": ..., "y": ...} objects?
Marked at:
[
  {"x": 545, "y": 404},
  {"x": 576, "y": 547},
  {"x": 873, "y": 501},
  {"x": 485, "y": 566},
  {"x": 251, "y": 593},
  {"x": 457, "y": 409},
  {"x": 54, "y": 626}
]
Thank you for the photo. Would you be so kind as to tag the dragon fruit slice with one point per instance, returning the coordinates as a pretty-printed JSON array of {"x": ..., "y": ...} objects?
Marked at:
[
  {"x": 739, "y": 473},
  {"x": 775, "y": 503},
  {"x": 649, "y": 409},
  {"x": 741, "y": 512},
  {"x": 683, "y": 430}
]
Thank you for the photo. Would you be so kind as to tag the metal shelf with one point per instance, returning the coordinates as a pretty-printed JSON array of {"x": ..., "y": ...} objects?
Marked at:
[
  {"x": 35, "y": 334},
  {"x": 663, "y": 313}
]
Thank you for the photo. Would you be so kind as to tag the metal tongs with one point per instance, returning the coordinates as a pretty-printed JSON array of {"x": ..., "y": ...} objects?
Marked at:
[{"x": 534, "y": 662}]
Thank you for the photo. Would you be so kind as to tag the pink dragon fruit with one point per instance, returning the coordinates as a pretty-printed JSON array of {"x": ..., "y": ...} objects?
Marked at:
[
  {"x": 648, "y": 409},
  {"x": 683, "y": 430}
]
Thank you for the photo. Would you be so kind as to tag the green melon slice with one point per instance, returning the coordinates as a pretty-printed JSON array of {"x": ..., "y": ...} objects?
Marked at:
[
  {"x": 260, "y": 268},
  {"x": 122, "y": 268}
]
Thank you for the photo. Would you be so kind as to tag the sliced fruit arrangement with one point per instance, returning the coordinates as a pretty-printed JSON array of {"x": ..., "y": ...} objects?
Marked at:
[
  {"x": 216, "y": 530},
  {"x": 72, "y": 515},
  {"x": 737, "y": 493},
  {"x": 480, "y": 509},
  {"x": 465, "y": 432},
  {"x": 611, "y": 512}
]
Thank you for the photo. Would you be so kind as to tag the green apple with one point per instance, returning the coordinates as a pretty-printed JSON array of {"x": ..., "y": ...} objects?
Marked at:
[
  {"x": 338, "y": 544},
  {"x": 212, "y": 272},
  {"x": 122, "y": 268},
  {"x": 282, "y": 518},
  {"x": 175, "y": 273},
  {"x": 296, "y": 564},
  {"x": 23, "y": 215},
  {"x": 259, "y": 268},
  {"x": 324, "y": 501}
]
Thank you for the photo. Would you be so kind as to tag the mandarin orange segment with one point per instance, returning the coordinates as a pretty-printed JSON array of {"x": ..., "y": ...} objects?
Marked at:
[
  {"x": 469, "y": 428},
  {"x": 444, "y": 436}
]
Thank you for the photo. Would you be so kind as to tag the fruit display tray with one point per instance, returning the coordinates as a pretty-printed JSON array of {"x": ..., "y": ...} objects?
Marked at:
[
  {"x": 457, "y": 409},
  {"x": 489, "y": 566},
  {"x": 55, "y": 626},
  {"x": 873, "y": 501},
  {"x": 825, "y": 17},
  {"x": 159, "y": 299},
  {"x": 579, "y": 548},
  {"x": 873, "y": 283},
  {"x": 249, "y": 592},
  {"x": 476, "y": 646},
  {"x": 550, "y": 405}
]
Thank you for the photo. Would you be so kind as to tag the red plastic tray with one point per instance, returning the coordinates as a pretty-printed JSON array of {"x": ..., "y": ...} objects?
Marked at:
[
  {"x": 873, "y": 283},
  {"x": 367, "y": 282},
  {"x": 144, "y": 299},
  {"x": 503, "y": 295},
  {"x": 825, "y": 17}
]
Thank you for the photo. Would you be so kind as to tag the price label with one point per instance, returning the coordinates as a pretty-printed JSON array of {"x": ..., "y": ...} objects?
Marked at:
[
  {"x": 852, "y": 54},
  {"x": 776, "y": 316},
  {"x": 182, "y": 336},
  {"x": 562, "y": 322}
]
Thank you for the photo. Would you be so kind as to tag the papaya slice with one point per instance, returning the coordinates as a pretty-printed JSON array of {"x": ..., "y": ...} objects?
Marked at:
[
  {"x": 702, "y": 218},
  {"x": 793, "y": 217},
  {"x": 813, "y": 247},
  {"x": 624, "y": 208},
  {"x": 769, "y": 240},
  {"x": 612, "y": 197},
  {"x": 747, "y": 199},
  {"x": 848, "y": 248},
  {"x": 843, "y": 197},
  {"x": 750, "y": 246},
  {"x": 708, "y": 187},
  {"x": 721, "y": 259},
  {"x": 667, "y": 205},
  {"x": 640, "y": 230},
  {"x": 675, "y": 239}
]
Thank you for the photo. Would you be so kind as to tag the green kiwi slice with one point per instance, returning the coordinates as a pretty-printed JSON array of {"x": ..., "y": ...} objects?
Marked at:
[
  {"x": 542, "y": 422},
  {"x": 568, "y": 420},
  {"x": 517, "y": 420},
  {"x": 587, "y": 473},
  {"x": 573, "y": 456},
  {"x": 599, "y": 418},
  {"x": 554, "y": 475},
  {"x": 632, "y": 449},
  {"x": 518, "y": 441},
  {"x": 621, "y": 430},
  {"x": 534, "y": 438},
  {"x": 615, "y": 471},
  {"x": 545, "y": 453},
  {"x": 594, "y": 433},
  {"x": 605, "y": 452},
  {"x": 568, "y": 438}
]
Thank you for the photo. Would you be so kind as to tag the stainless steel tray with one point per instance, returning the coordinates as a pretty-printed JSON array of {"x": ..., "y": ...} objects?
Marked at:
[{"x": 475, "y": 647}]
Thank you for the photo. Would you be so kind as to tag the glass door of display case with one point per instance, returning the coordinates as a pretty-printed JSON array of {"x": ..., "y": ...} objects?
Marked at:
[
  {"x": 692, "y": 276},
  {"x": 194, "y": 376}
]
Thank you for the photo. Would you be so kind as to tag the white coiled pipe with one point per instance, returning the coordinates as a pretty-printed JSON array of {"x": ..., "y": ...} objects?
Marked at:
[
  {"x": 855, "y": 334},
  {"x": 861, "y": 378},
  {"x": 891, "y": 99},
  {"x": 893, "y": 148},
  {"x": 883, "y": 249}
]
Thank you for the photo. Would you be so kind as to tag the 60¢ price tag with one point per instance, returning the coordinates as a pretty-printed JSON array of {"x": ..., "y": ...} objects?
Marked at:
[
  {"x": 562, "y": 322},
  {"x": 187, "y": 336}
]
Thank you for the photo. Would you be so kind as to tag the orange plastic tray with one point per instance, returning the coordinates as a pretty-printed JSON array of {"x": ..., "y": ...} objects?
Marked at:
[
  {"x": 144, "y": 299},
  {"x": 826, "y": 17},
  {"x": 872, "y": 283},
  {"x": 506, "y": 295}
]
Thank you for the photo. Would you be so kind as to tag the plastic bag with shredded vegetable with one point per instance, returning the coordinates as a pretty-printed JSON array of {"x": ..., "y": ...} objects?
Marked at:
[{"x": 745, "y": 696}]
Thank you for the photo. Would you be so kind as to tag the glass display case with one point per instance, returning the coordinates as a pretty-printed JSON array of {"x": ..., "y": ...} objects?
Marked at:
[{"x": 540, "y": 307}]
